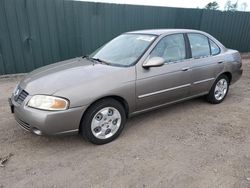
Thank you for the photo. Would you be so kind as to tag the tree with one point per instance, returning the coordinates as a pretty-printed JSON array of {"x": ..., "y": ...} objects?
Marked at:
[
  {"x": 212, "y": 6},
  {"x": 229, "y": 6},
  {"x": 244, "y": 6}
]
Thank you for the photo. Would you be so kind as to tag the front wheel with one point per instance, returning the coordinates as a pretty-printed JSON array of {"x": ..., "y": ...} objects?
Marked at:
[
  {"x": 103, "y": 121},
  {"x": 219, "y": 90}
]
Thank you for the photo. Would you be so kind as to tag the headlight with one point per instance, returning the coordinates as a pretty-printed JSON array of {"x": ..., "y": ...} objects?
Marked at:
[{"x": 44, "y": 102}]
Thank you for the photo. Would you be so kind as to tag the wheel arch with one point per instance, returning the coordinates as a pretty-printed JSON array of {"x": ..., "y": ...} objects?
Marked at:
[
  {"x": 120, "y": 99},
  {"x": 228, "y": 74},
  {"x": 210, "y": 96}
]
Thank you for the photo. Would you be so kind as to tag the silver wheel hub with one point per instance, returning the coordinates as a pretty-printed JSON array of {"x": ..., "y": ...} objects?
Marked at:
[
  {"x": 106, "y": 123},
  {"x": 220, "y": 89}
]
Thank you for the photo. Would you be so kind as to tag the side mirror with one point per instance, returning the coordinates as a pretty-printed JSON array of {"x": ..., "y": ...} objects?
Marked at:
[{"x": 154, "y": 62}]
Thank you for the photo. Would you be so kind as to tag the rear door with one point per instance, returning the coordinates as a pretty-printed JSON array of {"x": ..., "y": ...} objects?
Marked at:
[{"x": 207, "y": 63}]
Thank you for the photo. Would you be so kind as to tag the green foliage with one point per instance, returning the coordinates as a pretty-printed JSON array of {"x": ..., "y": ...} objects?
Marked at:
[
  {"x": 212, "y": 6},
  {"x": 231, "y": 6}
]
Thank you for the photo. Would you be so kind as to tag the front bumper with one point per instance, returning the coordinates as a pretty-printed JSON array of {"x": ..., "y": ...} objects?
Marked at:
[{"x": 46, "y": 122}]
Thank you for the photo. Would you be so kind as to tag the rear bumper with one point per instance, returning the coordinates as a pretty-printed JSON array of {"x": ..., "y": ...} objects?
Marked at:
[
  {"x": 236, "y": 75},
  {"x": 47, "y": 122}
]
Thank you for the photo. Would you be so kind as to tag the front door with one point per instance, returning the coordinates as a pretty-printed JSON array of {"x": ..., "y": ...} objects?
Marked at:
[{"x": 171, "y": 82}]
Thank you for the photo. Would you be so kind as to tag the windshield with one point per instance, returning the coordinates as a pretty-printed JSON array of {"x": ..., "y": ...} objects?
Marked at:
[{"x": 124, "y": 50}]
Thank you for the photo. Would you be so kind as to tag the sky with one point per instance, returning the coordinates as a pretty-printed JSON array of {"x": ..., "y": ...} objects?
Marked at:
[{"x": 176, "y": 3}]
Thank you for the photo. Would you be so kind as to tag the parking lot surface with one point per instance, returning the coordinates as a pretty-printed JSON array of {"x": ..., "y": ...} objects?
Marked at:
[{"x": 192, "y": 144}]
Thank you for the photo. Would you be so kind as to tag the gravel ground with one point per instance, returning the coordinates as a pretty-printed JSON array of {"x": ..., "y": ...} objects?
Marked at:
[{"x": 191, "y": 144}]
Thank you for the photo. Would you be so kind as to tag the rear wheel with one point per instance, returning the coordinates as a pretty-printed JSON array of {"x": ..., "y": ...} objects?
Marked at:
[
  {"x": 219, "y": 90},
  {"x": 103, "y": 121}
]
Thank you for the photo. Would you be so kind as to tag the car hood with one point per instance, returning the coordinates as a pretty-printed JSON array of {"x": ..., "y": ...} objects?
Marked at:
[{"x": 62, "y": 75}]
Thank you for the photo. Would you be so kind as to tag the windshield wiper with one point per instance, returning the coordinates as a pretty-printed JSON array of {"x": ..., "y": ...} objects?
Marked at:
[
  {"x": 96, "y": 59},
  {"x": 100, "y": 61}
]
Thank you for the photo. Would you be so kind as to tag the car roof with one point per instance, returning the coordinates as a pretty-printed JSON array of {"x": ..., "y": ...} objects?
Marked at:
[
  {"x": 164, "y": 31},
  {"x": 159, "y": 32}
]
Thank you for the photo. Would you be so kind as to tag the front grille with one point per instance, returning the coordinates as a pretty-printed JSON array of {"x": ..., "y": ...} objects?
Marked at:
[{"x": 20, "y": 95}]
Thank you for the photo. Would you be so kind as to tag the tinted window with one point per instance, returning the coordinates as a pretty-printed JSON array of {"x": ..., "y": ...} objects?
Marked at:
[
  {"x": 214, "y": 48},
  {"x": 199, "y": 45},
  {"x": 171, "y": 48}
]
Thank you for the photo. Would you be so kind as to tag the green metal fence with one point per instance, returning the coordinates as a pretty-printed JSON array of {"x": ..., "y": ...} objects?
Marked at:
[{"x": 34, "y": 33}]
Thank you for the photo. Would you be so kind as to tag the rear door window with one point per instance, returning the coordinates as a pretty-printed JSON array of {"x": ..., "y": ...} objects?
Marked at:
[{"x": 199, "y": 45}]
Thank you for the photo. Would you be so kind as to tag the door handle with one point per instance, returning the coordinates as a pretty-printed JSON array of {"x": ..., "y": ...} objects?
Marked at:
[
  {"x": 220, "y": 62},
  {"x": 185, "y": 68}
]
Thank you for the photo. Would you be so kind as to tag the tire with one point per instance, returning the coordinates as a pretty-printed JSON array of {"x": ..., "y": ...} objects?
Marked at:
[
  {"x": 217, "y": 94},
  {"x": 103, "y": 121}
]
